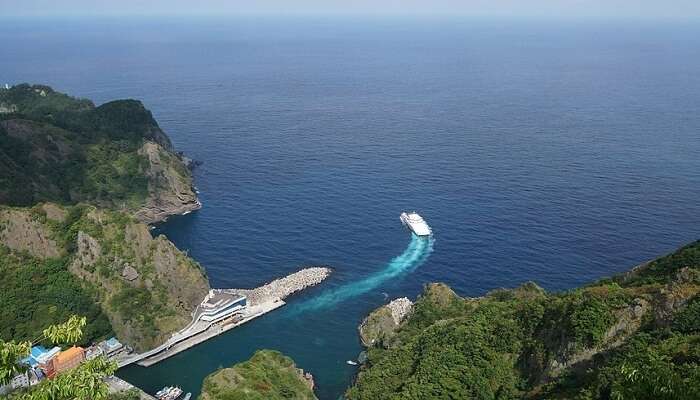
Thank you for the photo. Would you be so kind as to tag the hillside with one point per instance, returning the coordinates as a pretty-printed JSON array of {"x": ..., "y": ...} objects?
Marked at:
[
  {"x": 57, "y": 148},
  {"x": 103, "y": 264},
  {"x": 268, "y": 375},
  {"x": 636, "y": 336}
]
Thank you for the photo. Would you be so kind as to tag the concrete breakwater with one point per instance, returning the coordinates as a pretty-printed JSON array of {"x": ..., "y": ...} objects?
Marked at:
[
  {"x": 259, "y": 301},
  {"x": 283, "y": 287}
]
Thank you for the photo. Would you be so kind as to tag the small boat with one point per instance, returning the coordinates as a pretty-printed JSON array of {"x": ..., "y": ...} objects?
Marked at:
[
  {"x": 174, "y": 394},
  {"x": 416, "y": 223},
  {"x": 162, "y": 392},
  {"x": 350, "y": 362},
  {"x": 187, "y": 396}
]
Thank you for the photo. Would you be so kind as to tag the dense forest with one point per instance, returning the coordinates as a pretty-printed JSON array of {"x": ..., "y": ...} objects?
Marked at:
[
  {"x": 54, "y": 147},
  {"x": 636, "y": 336},
  {"x": 36, "y": 293}
]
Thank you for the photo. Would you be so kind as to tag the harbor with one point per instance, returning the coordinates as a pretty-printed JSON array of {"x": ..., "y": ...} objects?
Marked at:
[{"x": 224, "y": 309}]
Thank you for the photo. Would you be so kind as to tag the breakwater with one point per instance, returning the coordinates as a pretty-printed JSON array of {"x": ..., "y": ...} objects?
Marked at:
[
  {"x": 284, "y": 287},
  {"x": 260, "y": 301}
]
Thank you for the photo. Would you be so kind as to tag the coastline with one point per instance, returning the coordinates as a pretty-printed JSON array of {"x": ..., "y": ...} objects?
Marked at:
[{"x": 261, "y": 300}]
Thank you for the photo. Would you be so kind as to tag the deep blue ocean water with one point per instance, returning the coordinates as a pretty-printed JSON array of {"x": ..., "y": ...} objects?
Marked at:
[{"x": 557, "y": 152}]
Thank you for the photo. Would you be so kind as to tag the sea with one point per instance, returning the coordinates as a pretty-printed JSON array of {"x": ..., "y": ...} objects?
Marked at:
[{"x": 544, "y": 150}]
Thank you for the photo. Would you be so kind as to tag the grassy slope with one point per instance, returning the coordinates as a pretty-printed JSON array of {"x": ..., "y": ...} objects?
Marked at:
[
  {"x": 268, "y": 375},
  {"x": 632, "y": 337}
]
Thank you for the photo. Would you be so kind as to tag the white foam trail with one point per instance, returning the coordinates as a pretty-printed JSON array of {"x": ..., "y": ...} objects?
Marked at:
[{"x": 414, "y": 256}]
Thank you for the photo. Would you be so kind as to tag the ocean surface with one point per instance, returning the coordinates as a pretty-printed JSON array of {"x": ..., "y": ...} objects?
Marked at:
[{"x": 553, "y": 152}]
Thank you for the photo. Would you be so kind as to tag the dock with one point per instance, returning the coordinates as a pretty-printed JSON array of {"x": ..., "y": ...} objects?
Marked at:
[
  {"x": 117, "y": 385},
  {"x": 206, "y": 324}
]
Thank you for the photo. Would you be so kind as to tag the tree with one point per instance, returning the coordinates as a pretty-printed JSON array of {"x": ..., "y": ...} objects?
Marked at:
[{"x": 82, "y": 383}]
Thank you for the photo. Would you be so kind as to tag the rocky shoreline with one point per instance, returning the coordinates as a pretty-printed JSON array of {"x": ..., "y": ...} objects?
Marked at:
[{"x": 383, "y": 322}]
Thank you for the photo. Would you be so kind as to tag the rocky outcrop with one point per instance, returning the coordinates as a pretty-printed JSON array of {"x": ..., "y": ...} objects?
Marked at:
[
  {"x": 148, "y": 288},
  {"x": 21, "y": 232},
  {"x": 628, "y": 321},
  {"x": 383, "y": 322},
  {"x": 170, "y": 190}
]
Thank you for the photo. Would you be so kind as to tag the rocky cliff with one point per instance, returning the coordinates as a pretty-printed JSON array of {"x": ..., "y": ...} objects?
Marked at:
[
  {"x": 633, "y": 336},
  {"x": 145, "y": 286},
  {"x": 57, "y": 148},
  {"x": 268, "y": 375}
]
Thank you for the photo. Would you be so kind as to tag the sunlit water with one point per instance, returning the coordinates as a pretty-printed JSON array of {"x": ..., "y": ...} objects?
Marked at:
[{"x": 536, "y": 150}]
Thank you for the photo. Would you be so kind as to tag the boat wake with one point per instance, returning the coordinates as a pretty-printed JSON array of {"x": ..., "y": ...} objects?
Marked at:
[{"x": 414, "y": 256}]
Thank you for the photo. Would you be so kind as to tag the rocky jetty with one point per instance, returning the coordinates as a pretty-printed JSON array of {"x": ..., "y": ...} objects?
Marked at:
[{"x": 280, "y": 288}]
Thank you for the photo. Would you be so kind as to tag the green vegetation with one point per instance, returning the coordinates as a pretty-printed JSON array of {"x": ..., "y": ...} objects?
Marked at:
[
  {"x": 268, "y": 375},
  {"x": 57, "y": 148},
  {"x": 636, "y": 336},
  {"x": 131, "y": 394},
  {"x": 35, "y": 293},
  {"x": 96, "y": 247},
  {"x": 84, "y": 382}
]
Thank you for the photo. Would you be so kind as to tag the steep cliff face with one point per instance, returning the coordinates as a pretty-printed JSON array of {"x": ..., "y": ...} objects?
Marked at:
[
  {"x": 61, "y": 149},
  {"x": 145, "y": 286},
  {"x": 633, "y": 336},
  {"x": 169, "y": 185},
  {"x": 21, "y": 232},
  {"x": 267, "y": 375}
]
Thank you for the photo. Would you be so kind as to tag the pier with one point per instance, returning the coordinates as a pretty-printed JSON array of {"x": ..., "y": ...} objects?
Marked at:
[{"x": 225, "y": 309}]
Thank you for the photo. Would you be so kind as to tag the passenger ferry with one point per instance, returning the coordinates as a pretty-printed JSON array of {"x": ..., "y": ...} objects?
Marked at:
[{"x": 416, "y": 223}]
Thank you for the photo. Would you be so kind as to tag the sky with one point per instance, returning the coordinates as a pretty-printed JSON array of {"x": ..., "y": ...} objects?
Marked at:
[{"x": 527, "y": 8}]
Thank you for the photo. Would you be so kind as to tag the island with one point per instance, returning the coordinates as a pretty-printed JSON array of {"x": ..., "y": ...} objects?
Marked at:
[{"x": 268, "y": 375}]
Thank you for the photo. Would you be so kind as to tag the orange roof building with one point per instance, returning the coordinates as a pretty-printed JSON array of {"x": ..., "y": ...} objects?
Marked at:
[{"x": 65, "y": 361}]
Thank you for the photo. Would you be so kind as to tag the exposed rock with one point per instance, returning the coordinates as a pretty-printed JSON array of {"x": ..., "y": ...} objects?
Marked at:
[
  {"x": 629, "y": 320},
  {"x": 383, "y": 322},
  {"x": 170, "y": 186},
  {"x": 88, "y": 251},
  {"x": 8, "y": 108},
  {"x": 124, "y": 256},
  {"x": 19, "y": 231},
  {"x": 129, "y": 273},
  {"x": 54, "y": 212},
  {"x": 675, "y": 295}
]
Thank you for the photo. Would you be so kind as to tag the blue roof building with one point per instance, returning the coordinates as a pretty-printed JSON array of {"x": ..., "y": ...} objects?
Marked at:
[{"x": 36, "y": 352}]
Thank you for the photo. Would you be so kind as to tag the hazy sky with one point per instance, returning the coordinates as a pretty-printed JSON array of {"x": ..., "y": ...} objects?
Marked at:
[{"x": 557, "y": 8}]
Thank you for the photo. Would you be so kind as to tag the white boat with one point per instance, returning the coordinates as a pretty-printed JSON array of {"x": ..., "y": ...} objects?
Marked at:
[
  {"x": 416, "y": 223},
  {"x": 187, "y": 396},
  {"x": 175, "y": 393},
  {"x": 350, "y": 362}
]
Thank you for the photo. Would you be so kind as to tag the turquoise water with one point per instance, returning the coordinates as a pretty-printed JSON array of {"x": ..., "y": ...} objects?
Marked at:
[
  {"x": 417, "y": 252},
  {"x": 557, "y": 152}
]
